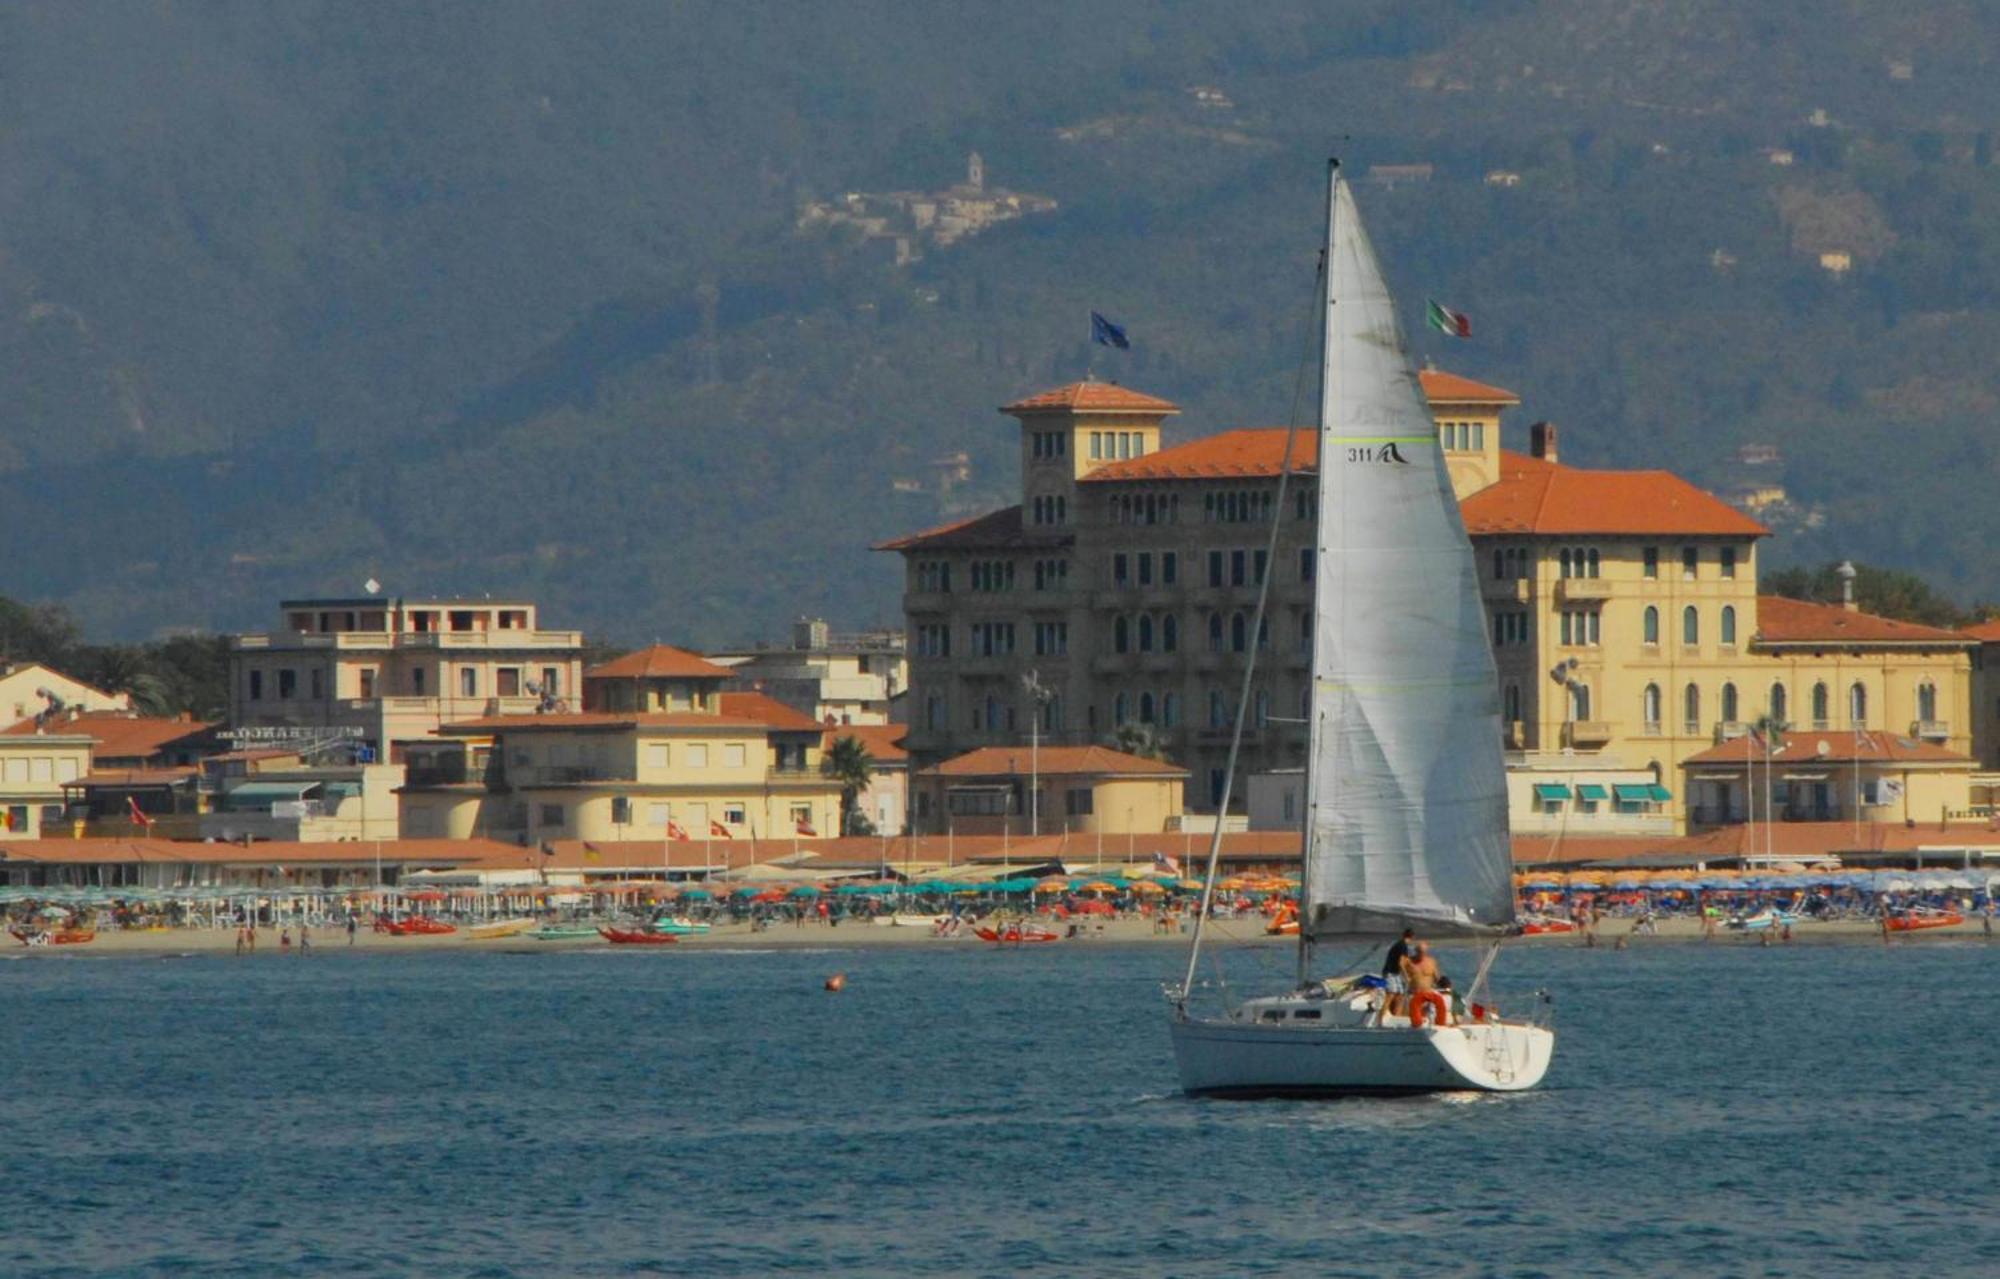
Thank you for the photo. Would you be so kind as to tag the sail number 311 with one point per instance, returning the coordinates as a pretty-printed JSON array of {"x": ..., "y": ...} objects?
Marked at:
[{"x": 1387, "y": 453}]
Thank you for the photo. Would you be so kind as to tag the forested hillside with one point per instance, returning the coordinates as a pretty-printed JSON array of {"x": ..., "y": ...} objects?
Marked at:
[{"x": 292, "y": 295}]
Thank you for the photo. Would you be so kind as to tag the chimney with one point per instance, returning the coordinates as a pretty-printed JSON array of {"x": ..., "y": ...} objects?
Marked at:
[
  {"x": 1846, "y": 573},
  {"x": 1542, "y": 440}
]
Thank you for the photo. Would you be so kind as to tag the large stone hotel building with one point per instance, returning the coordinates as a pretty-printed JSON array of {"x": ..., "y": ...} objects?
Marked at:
[{"x": 1623, "y": 606}]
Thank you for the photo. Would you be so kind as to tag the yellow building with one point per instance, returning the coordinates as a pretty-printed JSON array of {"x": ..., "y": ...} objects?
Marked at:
[
  {"x": 388, "y": 672},
  {"x": 1623, "y": 606},
  {"x": 1051, "y": 789},
  {"x": 660, "y": 752},
  {"x": 1828, "y": 776},
  {"x": 34, "y": 769}
]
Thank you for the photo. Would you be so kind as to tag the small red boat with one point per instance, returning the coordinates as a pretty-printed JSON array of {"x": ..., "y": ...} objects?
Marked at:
[
  {"x": 1911, "y": 920},
  {"x": 417, "y": 926},
  {"x": 1536, "y": 927},
  {"x": 57, "y": 937},
  {"x": 634, "y": 937},
  {"x": 1016, "y": 934}
]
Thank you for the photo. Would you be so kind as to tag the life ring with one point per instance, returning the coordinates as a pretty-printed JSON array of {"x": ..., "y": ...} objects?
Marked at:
[{"x": 1428, "y": 998}]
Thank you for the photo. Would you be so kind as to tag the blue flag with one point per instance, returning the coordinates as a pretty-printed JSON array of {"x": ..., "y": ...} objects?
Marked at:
[{"x": 1104, "y": 332}]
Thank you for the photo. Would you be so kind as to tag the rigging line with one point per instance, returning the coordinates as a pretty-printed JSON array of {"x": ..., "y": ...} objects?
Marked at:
[{"x": 1320, "y": 278}]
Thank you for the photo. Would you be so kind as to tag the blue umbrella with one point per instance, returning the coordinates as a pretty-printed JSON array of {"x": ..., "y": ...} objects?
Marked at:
[{"x": 805, "y": 890}]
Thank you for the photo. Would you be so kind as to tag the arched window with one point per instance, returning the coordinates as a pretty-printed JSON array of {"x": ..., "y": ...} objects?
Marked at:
[
  {"x": 1579, "y": 701},
  {"x": 1119, "y": 708},
  {"x": 934, "y": 712},
  {"x": 1218, "y": 711},
  {"x": 1563, "y": 559},
  {"x": 1650, "y": 629},
  {"x": 1052, "y": 714},
  {"x": 1499, "y": 564},
  {"x": 1777, "y": 705},
  {"x": 1927, "y": 701},
  {"x": 1857, "y": 705},
  {"x": 1263, "y": 634},
  {"x": 1728, "y": 623},
  {"x": 1170, "y": 634},
  {"x": 992, "y": 724},
  {"x": 1215, "y": 632},
  {"x": 1819, "y": 705},
  {"x": 1121, "y": 634},
  {"x": 1690, "y": 626},
  {"x": 1239, "y": 633},
  {"x": 1145, "y": 632},
  {"x": 1512, "y": 701},
  {"x": 1593, "y": 561},
  {"x": 1170, "y": 710},
  {"x": 1729, "y": 703},
  {"x": 1650, "y": 706},
  {"x": 1261, "y": 709},
  {"x": 1691, "y": 709},
  {"x": 1146, "y": 708}
]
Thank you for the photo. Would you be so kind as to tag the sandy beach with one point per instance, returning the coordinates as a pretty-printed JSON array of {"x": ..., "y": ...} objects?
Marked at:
[{"x": 1610, "y": 934}]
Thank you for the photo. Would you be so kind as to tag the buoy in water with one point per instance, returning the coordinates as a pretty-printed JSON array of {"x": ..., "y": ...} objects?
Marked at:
[{"x": 837, "y": 982}]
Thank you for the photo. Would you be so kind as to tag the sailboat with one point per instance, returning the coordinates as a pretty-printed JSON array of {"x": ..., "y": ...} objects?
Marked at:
[{"x": 1406, "y": 823}]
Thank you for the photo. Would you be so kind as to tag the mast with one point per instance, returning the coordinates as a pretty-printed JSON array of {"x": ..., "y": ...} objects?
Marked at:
[
  {"x": 1327, "y": 301},
  {"x": 1250, "y": 658}
]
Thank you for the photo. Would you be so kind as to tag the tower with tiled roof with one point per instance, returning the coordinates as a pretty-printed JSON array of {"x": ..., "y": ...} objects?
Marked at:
[{"x": 1068, "y": 432}]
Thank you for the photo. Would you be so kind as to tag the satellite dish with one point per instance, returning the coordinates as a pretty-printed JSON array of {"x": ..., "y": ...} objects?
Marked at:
[{"x": 371, "y": 586}]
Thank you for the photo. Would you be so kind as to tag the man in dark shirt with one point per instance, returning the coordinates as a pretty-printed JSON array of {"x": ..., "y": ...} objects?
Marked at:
[{"x": 1392, "y": 969}]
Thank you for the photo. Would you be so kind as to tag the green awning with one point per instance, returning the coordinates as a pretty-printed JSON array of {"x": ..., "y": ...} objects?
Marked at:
[
  {"x": 1661, "y": 793},
  {"x": 1632, "y": 793},
  {"x": 265, "y": 794},
  {"x": 1551, "y": 790},
  {"x": 1592, "y": 792}
]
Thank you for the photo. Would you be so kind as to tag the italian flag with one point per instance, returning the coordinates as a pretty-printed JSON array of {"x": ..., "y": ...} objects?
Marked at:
[{"x": 1445, "y": 320}]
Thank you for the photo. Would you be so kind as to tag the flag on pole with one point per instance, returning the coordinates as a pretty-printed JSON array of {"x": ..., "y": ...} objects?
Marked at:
[
  {"x": 1105, "y": 333},
  {"x": 674, "y": 830},
  {"x": 1447, "y": 321},
  {"x": 718, "y": 830},
  {"x": 138, "y": 814},
  {"x": 1168, "y": 864}
]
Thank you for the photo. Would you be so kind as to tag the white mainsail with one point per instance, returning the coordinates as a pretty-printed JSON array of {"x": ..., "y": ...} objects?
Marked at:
[{"x": 1408, "y": 789}]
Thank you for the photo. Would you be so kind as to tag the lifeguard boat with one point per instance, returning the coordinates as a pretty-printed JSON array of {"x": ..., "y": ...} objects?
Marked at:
[
  {"x": 1535, "y": 927},
  {"x": 637, "y": 937},
  {"x": 1909, "y": 921},
  {"x": 1016, "y": 934}
]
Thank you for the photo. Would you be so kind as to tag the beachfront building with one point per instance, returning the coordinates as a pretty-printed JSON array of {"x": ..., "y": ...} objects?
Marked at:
[
  {"x": 278, "y": 795},
  {"x": 34, "y": 769},
  {"x": 140, "y": 775},
  {"x": 1026, "y": 790},
  {"x": 835, "y": 679},
  {"x": 1623, "y": 607},
  {"x": 382, "y": 673},
  {"x": 30, "y": 689},
  {"x": 1832, "y": 775},
  {"x": 885, "y": 801},
  {"x": 1985, "y": 707},
  {"x": 659, "y": 752}
]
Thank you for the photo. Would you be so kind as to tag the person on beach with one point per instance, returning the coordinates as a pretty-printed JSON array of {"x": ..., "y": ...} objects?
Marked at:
[
  {"x": 350, "y": 929},
  {"x": 285, "y": 941},
  {"x": 305, "y": 942},
  {"x": 239, "y": 942}
]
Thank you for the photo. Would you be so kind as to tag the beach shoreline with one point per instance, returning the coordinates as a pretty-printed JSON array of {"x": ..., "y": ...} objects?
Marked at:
[{"x": 1612, "y": 934}]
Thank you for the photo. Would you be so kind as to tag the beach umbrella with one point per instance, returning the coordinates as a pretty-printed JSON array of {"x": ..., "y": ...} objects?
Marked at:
[
  {"x": 1147, "y": 887},
  {"x": 1100, "y": 886},
  {"x": 746, "y": 891},
  {"x": 805, "y": 890},
  {"x": 1053, "y": 884}
]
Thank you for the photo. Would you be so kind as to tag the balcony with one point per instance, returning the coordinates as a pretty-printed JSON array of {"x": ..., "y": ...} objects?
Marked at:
[
  {"x": 1587, "y": 732},
  {"x": 1518, "y": 590},
  {"x": 1931, "y": 730},
  {"x": 1728, "y": 730},
  {"x": 560, "y": 775},
  {"x": 1571, "y": 589}
]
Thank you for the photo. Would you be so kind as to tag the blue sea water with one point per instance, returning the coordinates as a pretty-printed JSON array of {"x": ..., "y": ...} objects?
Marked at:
[{"x": 1719, "y": 1109}]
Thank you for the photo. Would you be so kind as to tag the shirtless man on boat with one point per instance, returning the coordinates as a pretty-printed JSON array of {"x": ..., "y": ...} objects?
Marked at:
[{"x": 1420, "y": 971}]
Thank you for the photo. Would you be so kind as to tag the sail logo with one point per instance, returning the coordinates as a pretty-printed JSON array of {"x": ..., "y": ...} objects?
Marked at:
[{"x": 1388, "y": 454}]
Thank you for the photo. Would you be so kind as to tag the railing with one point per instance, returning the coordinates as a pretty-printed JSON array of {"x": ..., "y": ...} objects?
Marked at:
[
  {"x": 1583, "y": 588},
  {"x": 1936, "y": 730},
  {"x": 1727, "y": 730},
  {"x": 1587, "y": 731},
  {"x": 1520, "y": 590},
  {"x": 560, "y": 775}
]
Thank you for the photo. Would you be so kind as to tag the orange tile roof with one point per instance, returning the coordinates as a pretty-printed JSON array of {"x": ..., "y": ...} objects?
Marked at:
[
  {"x": 883, "y": 742},
  {"x": 1007, "y": 761},
  {"x": 112, "y": 779},
  {"x": 995, "y": 530},
  {"x": 403, "y": 852},
  {"x": 602, "y": 719},
  {"x": 1449, "y": 388},
  {"x": 1789, "y": 621},
  {"x": 1802, "y": 841},
  {"x": 1537, "y": 496},
  {"x": 1838, "y": 747},
  {"x": 661, "y": 660},
  {"x": 769, "y": 711},
  {"x": 1248, "y": 451},
  {"x": 120, "y": 736},
  {"x": 1092, "y": 397},
  {"x": 1987, "y": 632}
]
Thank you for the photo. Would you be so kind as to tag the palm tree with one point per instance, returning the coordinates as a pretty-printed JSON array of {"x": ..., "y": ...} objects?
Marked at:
[
  {"x": 1134, "y": 737},
  {"x": 849, "y": 763}
]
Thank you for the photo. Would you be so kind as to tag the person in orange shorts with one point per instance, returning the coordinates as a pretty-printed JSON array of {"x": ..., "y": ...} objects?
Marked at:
[{"x": 1420, "y": 970}]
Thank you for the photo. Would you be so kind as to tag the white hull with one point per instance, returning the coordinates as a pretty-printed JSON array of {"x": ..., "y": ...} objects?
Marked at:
[{"x": 1239, "y": 1057}]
